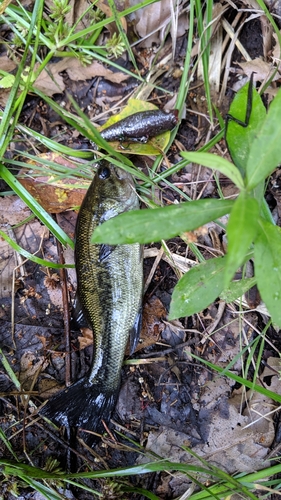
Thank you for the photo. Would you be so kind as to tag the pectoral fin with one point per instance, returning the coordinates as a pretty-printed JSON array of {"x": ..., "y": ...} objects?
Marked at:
[
  {"x": 105, "y": 252},
  {"x": 135, "y": 331},
  {"x": 77, "y": 315}
]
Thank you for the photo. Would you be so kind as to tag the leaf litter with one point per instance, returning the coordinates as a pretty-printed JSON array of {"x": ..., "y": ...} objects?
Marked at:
[{"x": 168, "y": 403}]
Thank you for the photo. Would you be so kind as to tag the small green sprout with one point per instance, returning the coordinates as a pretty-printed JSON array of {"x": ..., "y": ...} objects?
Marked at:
[{"x": 115, "y": 45}]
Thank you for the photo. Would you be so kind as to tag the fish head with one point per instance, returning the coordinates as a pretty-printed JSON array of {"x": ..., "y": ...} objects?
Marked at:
[{"x": 115, "y": 188}]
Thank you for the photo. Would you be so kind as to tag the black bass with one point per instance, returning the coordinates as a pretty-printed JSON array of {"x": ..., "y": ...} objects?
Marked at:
[{"x": 110, "y": 281}]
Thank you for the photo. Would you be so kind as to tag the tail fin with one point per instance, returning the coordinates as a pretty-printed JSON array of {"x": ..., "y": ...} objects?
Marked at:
[{"x": 81, "y": 405}]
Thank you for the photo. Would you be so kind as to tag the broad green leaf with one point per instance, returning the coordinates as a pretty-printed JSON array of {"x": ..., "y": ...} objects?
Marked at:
[
  {"x": 265, "y": 151},
  {"x": 7, "y": 81},
  {"x": 154, "y": 146},
  {"x": 145, "y": 226},
  {"x": 239, "y": 139},
  {"x": 217, "y": 163},
  {"x": 198, "y": 288},
  {"x": 241, "y": 230},
  {"x": 267, "y": 253},
  {"x": 237, "y": 289}
]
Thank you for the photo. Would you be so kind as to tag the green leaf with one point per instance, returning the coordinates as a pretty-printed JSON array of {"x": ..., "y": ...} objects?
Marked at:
[
  {"x": 267, "y": 253},
  {"x": 241, "y": 231},
  {"x": 265, "y": 151},
  {"x": 237, "y": 289},
  {"x": 239, "y": 139},
  {"x": 217, "y": 163},
  {"x": 198, "y": 288},
  {"x": 145, "y": 226},
  {"x": 7, "y": 82}
]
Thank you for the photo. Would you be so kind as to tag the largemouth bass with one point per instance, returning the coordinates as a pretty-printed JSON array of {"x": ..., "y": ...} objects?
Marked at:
[{"x": 110, "y": 281}]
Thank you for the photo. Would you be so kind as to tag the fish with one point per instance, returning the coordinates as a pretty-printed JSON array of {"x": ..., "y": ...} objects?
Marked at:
[
  {"x": 109, "y": 291},
  {"x": 141, "y": 126}
]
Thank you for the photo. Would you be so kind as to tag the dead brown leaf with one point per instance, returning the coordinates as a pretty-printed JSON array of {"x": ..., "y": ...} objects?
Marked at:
[
  {"x": 4, "y": 96},
  {"x": 30, "y": 367},
  {"x": 54, "y": 195},
  {"x": 13, "y": 210},
  {"x": 262, "y": 70},
  {"x": 119, "y": 5},
  {"x": 152, "y": 326},
  {"x": 29, "y": 236},
  {"x": 6, "y": 64},
  {"x": 86, "y": 339},
  {"x": 48, "y": 387},
  {"x": 49, "y": 81},
  {"x": 78, "y": 8},
  {"x": 151, "y": 20},
  {"x": 77, "y": 71}
]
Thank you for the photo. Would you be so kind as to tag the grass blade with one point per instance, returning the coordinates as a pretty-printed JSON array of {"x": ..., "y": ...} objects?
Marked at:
[{"x": 34, "y": 206}]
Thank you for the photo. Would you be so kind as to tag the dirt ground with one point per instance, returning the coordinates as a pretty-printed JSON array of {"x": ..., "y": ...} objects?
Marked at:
[{"x": 167, "y": 399}]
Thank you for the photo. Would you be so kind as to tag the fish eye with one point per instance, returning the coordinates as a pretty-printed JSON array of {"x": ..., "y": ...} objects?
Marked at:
[{"x": 103, "y": 172}]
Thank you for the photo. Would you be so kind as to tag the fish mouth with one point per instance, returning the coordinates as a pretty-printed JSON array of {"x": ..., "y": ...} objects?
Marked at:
[
  {"x": 120, "y": 173},
  {"x": 117, "y": 173}
]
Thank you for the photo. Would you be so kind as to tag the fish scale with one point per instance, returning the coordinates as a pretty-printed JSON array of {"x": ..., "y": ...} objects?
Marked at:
[{"x": 110, "y": 282}]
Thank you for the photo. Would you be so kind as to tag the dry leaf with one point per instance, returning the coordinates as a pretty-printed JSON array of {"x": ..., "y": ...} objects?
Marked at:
[
  {"x": 146, "y": 19},
  {"x": 29, "y": 236},
  {"x": 30, "y": 367},
  {"x": 77, "y": 71},
  {"x": 86, "y": 339},
  {"x": 6, "y": 64},
  {"x": 49, "y": 81},
  {"x": 119, "y": 5},
  {"x": 262, "y": 70},
  {"x": 77, "y": 11},
  {"x": 152, "y": 326},
  {"x": 55, "y": 195},
  {"x": 48, "y": 387}
]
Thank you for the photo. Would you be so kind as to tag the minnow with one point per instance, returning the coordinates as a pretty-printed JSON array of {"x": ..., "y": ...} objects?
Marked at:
[
  {"x": 140, "y": 127},
  {"x": 110, "y": 282}
]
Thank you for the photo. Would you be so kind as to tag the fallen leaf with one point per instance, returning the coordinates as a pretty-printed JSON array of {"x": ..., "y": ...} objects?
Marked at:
[
  {"x": 54, "y": 195},
  {"x": 49, "y": 81},
  {"x": 146, "y": 19},
  {"x": 30, "y": 367},
  {"x": 13, "y": 211},
  {"x": 119, "y": 5},
  {"x": 76, "y": 15},
  {"x": 262, "y": 70},
  {"x": 152, "y": 326},
  {"x": 6, "y": 64},
  {"x": 77, "y": 71},
  {"x": 86, "y": 339},
  {"x": 48, "y": 387}
]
